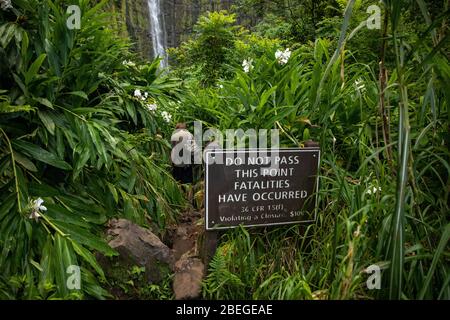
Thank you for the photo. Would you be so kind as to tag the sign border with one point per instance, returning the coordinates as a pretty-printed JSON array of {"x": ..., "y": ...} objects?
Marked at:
[{"x": 223, "y": 151}]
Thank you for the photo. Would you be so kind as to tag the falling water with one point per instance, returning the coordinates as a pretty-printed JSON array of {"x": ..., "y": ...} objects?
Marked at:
[{"x": 157, "y": 31}]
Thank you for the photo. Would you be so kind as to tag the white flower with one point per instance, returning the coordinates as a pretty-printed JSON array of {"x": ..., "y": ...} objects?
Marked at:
[
  {"x": 152, "y": 107},
  {"x": 5, "y": 4},
  {"x": 138, "y": 94},
  {"x": 283, "y": 56},
  {"x": 37, "y": 208},
  {"x": 128, "y": 63},
  {"x": 37, "y": 205},
  {"x": 166, "y": 116},
  {"x": 373, "y": 190},
  {"x": 220, "y": 86},
  {"x": 247, "y": 65}
]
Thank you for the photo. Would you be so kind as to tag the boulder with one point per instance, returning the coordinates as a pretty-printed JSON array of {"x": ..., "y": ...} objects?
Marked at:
[{"x": 139, "y": 246}]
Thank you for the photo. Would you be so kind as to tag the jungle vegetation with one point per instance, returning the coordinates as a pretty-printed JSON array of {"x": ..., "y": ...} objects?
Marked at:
[{"x": 85, "y": 124}]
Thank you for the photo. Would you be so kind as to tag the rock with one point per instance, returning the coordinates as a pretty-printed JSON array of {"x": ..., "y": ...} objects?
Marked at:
[
  {"x": 187, "y": 282},
  {"x": 139, "y": 246}
]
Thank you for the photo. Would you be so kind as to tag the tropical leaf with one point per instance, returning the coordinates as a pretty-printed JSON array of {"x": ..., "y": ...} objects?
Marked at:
[{"x": 40, "y": 154}]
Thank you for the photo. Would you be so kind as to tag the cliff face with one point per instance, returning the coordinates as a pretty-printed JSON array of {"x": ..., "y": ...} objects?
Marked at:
[
  {"x": 133, "y": 21},
  {"x": 179, "y": 17}
]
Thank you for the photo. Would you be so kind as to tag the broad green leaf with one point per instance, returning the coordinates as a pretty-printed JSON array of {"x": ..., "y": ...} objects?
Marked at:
[
  {"x": 22, "y": 186},
  {"x": 47, "y": 257},
  {"x": 41, "y": 154},
  {"x": 47, "y": 121},
  {"x": 44, "y": 102},
  {"x": 34, "y": 68},
  {"x": 113, "y": 191},
  {"x": 85, "y": 237},
  {"x": 61, "y": 261},
  {"x": 88, "y": 257},
  {"x": 7, "y": 33},
  {"x": 94, "y": 133},
  {"x": 20, "y": 83},
  {"x": 25, "y": 43},
  {"x": 42, "y": 190},
  {"x": 140, "y": 197},
  {"x": 59, "y": 213},
  {"x": 85, "y": 110},
  {"x": 24, "y": 161},
  {"x": 80, "y": 94},
  {"x": 6, "y": 205},
  {"x": 265, "y": 96},
  {"x": 81, "y": 162},
  {"x": 36, "y": 265}
]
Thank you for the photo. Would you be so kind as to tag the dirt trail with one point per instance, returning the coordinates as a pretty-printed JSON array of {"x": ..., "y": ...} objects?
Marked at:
[
  {"x": 189, "y": 268},
  {"x": 183, "y": 237}
]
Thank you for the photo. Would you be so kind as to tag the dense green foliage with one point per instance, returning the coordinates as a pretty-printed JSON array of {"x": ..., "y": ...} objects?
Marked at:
[
  {"x": 74, "y": 132},
  {"x": 217, "y": 46},
  {"x": 384, "y": 181}
]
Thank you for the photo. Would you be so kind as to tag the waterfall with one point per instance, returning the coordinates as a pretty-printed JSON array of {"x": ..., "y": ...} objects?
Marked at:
[{"x": 157, "y": 31}]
